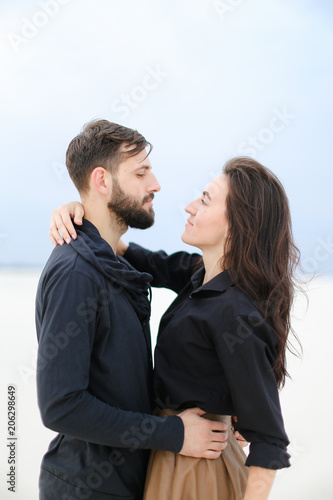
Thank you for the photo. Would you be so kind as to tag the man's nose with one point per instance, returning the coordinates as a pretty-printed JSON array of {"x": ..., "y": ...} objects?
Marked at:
[{"x": 154, "y": 186}]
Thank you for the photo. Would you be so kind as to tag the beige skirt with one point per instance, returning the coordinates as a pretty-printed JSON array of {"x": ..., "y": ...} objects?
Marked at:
[{"x": 176, "y": 477}]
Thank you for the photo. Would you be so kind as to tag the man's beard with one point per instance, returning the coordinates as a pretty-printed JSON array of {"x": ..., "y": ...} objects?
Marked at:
[{"x": 128, "y": 210}]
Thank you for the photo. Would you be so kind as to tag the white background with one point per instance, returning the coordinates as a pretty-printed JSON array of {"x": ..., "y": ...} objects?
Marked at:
[
  {"x": 306, "y": 400},
  {"x": 225, "y": 69}
]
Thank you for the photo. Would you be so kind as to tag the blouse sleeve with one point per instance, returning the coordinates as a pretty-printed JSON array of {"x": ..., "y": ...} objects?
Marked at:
[
  {"x": 246, "y": 349},
  {"x": 168, "y": 271}
]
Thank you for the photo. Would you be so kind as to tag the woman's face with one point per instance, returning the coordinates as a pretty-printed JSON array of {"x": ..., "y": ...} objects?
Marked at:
[{"x": 207, "y": 225}]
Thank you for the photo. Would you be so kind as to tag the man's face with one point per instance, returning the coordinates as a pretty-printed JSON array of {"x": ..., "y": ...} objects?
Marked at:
[{"x": 133, "y": 189}]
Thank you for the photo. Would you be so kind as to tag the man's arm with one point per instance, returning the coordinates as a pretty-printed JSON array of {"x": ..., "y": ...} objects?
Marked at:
[{"x": 66, "y": 329}]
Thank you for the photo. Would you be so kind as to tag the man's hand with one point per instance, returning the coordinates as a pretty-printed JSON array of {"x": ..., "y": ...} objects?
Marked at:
[
  {"x": 61, "y": 221},
  {"x": 203, "y": 438}
]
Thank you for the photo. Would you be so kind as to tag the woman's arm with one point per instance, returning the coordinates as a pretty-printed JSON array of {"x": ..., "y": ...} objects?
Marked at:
[
  {"x": 245, "y": 346},
  {"x": 169, "y": 271},
  {"x": 259, "y": 484}
]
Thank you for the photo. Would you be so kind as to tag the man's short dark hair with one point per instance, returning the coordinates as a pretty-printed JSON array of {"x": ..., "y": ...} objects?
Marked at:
[{"x": 101, "y": 144}]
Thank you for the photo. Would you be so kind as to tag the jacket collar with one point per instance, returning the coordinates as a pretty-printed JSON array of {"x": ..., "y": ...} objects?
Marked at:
[
  {"x": 219, "y": 283},
  {"x": 99, "y": 254}
]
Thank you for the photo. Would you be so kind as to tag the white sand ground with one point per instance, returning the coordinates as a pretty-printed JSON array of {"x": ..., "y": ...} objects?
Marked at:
[{"x": 306, "y": 400}]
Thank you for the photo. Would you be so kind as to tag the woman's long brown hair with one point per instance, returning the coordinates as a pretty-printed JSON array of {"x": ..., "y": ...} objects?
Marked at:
[{"x": 261, "y": 255}]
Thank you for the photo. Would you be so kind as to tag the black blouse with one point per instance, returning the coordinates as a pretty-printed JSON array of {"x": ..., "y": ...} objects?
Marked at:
[{"x": 215, "y": 351}]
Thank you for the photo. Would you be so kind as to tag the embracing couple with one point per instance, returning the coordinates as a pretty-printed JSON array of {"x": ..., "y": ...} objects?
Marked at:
[{"x": 175, "y": 432}]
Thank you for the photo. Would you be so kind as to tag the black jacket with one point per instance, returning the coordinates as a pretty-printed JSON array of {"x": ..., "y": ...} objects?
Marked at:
[
  {"x": 94, "y": 373},
  {"x": 215, "y": 351}
]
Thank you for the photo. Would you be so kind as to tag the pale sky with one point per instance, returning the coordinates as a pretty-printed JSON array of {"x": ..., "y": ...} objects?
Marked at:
[{"x": 202, "y": 80}]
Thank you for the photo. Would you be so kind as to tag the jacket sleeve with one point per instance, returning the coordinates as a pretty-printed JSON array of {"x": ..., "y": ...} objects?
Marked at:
[
  {"x": 168, "y": 271},
  {"x": 245, "y": 347},
  {"x": 66, "y": 319}
]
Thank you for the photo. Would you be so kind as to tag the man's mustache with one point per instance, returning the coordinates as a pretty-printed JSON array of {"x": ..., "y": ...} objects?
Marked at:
[{"x": 149, "y": 197}]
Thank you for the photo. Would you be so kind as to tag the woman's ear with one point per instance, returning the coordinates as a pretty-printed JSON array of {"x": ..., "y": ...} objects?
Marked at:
[{"x": 101, "y": 181}]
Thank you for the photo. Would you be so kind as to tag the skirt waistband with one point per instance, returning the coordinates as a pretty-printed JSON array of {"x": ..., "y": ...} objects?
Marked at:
[{"x": 209, "y": 416}]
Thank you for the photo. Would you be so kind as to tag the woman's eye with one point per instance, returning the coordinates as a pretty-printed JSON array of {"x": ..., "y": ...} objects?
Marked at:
[
  {"x": 203, "y": 201},
  {"x": 140, "y": 175}
]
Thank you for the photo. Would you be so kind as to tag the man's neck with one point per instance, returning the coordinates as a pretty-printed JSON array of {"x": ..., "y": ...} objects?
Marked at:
[{"x": 108, "y": 227}]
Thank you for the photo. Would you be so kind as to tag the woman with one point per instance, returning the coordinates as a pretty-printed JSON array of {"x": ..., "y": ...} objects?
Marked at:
[{"x": 222, "y": 342}]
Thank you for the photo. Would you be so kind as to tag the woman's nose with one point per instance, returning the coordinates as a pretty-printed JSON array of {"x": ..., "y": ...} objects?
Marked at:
[{"x": 191, "y": 208}]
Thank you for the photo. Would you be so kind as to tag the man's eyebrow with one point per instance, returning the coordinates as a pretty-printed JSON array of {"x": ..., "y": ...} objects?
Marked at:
[
  {"x": 205, "y": 193},
  {"x": 146, "y": 167}
]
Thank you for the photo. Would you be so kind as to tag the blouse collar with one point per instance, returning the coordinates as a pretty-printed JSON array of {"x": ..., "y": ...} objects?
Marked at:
[{"x": 219, "y": 283}]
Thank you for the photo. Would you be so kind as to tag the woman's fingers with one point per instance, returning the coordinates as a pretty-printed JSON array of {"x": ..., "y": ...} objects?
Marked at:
[
  {"x": 61, "y": 227},
  {"x": 53, "y": 234},
  {"x": 78, "y": 213},
  {"x": 67, "y": 229},
  {"x": 241, "y": 441},
  {"x": 53, "y": 240}
]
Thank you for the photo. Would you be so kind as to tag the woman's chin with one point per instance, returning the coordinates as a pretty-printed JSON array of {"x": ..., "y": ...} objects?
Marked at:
[{"x": 185, "y": 239}]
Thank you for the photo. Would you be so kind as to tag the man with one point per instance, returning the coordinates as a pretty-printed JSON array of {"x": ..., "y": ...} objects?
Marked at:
[{"x": 94, "y": 373}]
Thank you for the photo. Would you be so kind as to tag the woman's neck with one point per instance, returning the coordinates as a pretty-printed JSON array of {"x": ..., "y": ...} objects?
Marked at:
[{"x": 212, "y": 263}]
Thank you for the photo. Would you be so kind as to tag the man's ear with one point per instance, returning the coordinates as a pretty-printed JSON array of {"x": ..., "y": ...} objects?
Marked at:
[{"x": 101, "y": 180}]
